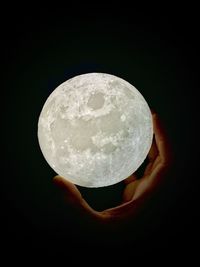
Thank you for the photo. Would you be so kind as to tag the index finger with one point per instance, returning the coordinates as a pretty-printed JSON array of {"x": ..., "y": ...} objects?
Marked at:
[{"x": 162, "y": 141}]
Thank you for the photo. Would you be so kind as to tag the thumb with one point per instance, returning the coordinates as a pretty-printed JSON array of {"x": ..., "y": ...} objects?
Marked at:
[
  {"x": 73, "y": 195},
  {"x": 71, "y": 192}
]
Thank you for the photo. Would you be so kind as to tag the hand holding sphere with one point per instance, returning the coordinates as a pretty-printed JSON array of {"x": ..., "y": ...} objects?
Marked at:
[
  {"x": 136, "y": 191},
  {"x": 96, "y": 130}
]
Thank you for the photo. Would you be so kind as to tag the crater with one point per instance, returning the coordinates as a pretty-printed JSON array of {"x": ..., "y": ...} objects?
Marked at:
[
  {"x": 96, "y": 101},
  {"x": 108, "y": 148}
]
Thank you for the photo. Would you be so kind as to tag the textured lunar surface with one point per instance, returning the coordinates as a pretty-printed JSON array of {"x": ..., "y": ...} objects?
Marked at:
[{"x": 95, "y": 129}]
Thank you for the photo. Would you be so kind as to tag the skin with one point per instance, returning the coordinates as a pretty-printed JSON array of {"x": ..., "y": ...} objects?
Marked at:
[{"x": 136, "y": 192}]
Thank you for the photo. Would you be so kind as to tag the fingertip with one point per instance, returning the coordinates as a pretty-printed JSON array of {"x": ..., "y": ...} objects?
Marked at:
[
  {"x": 61, "y": 179},
  {"x": 153, "y": 111},
  {"x": 154, "y": 119},
  {"x": 57, "y": 177},
  {"x": 61, "y": 182},
  {"x": 71, "y": 192}
]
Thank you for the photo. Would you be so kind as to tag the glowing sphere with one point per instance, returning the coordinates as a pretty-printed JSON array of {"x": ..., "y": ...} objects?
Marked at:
[{"x": 95, "y": 129}]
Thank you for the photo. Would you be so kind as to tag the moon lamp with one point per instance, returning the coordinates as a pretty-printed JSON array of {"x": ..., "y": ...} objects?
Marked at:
[{"x": 95, "y": 129}]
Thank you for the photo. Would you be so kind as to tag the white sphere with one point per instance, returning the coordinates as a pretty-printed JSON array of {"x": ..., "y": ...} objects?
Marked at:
[{"x": 95, "y": 129}]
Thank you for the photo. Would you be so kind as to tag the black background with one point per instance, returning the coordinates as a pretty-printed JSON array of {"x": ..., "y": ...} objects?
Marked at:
[{"x": 155, "y": 51}]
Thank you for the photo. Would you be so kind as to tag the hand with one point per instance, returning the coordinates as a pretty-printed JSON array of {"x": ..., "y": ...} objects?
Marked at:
[{"x": 136, "y": 191}]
